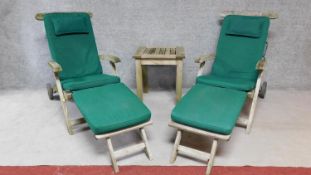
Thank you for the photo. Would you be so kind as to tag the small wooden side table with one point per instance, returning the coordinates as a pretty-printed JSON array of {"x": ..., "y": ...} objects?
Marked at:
[{"x": 158, "y": 56}]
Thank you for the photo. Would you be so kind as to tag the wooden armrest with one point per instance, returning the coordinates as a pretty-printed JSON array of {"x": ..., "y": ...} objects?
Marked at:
[
  {"x": 111, "y": 58},
  {"x": 261, "y": 64},
  {"x": 204, "y": 58},
  {"x": 55, "y": 66},
  {"x": 269, "y": 14}
]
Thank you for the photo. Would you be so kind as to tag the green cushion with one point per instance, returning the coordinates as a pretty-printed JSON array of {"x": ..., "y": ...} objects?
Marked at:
[
  {"x": 89, "y": 82},
  {"x": 248, "y": 27},
  {"x": 209, "y": 108},
  {"x": 237, "y": 56},
  {"x": 76, "y": 53},
  {"x": 70, "y": 25},
  {"x": 232, "y": 83},
  {"x": 111, "y": 108}
]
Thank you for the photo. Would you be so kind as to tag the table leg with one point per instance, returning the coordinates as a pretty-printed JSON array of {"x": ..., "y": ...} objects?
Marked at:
[
  {"x": 145, "y": 79},
  {"x": 139, "y": 81},
  {"x": 179, "y": 72}
]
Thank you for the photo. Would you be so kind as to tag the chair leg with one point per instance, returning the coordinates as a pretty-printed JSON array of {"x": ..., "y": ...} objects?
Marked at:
[
  {"x": 212, "y": 156},
  {"x": 112, "y": 157},
  {"x": 251, "y": 115},
  {"x": 175, "y": 148},
  {"x": 68, "y": 122},
  {"x": 145, "y": 140}
]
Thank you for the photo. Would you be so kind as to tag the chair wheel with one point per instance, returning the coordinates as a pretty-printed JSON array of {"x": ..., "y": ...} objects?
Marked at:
[
  {"x": 50, "y": 91},
  {"x": 263, "y": 90}
]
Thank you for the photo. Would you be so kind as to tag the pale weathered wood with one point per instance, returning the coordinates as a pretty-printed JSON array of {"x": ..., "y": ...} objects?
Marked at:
[
  {"x": 112, "y": 156},
  {"x": 145, "y": 79},
  {"x": 198, "y": 131},
  {"x": 204, "y": 58},
  {"x": 179, "y": 75},
  {"x": 163, "y": 57},
  {"x": 180, "y": 53},
  {"x": 180, "y": 149},
  {"x": 242, "y": 122},
  {"x": 129, "y": 150},
  {"x": 102, "y": 136},
  {"x": 158, "y": 56},
  {"x": 158, "y": 62},
  {"x": 271, "y": 15},
  {"x": 55, "y": 66},
  {"x": 254, "y": 103},
  {"x": 111, "y": 58},
  {"x": 139, "y": 52},
  {"x": 139, "y": 79},
  {"x": 212, "y": 157},
  {"x": 175, "y": 148},
  {"x": 112, "y": 61},
  {"x": 261, "y": 64},
  {"x": 77, "y": 121},
  {"x": 40, "y": 16},
  {"x": 193, "y": 153},
  {"x": 145, "y": 140}
]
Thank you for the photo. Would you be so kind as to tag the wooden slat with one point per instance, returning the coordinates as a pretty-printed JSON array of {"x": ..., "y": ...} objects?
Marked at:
[
  {"x": 242, "y": 122},
  {"x": 199, "y": 131},
  {"x": 157, "y": 51},
  {"x": 123, "y": 130},
  {"x": 193, "y": 152},
  {"x": 167, "y": 51},
  {"x": 40, "y": 16},
  {"x": 159, "y": 62},
  {"x": 129, "y": 150},
  {"x": 77, "y": 121},
  {"x": 152, "y": 56},
  {"x": 271, "y": 15}
]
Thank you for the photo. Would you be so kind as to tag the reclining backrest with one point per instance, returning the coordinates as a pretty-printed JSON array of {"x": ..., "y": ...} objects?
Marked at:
[
  {"x": 72, "y": 44},
  {"x": 240, "y": 46}
]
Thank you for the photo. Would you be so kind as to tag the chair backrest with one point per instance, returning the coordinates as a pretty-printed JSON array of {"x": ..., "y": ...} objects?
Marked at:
[
  {"x": 240, "y": 46},
  {"x": 72, "y": 44}
]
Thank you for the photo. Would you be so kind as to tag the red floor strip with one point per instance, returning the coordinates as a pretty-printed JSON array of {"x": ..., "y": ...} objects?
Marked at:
[{"x": 149, "y": 170}]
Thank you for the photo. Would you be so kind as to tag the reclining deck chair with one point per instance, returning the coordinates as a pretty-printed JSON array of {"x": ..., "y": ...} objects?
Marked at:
[
  {"x": 212, "y": 107},
  {"x": 107, "y": 105}
]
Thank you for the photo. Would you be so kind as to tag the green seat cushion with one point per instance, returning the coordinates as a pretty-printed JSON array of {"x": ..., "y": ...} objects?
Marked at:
[
  {"x": 90, "y": 81},
  {"x": 237, "y": 55},
  {"x": 110, "y": 108},
  {"x": 232, "y": 83},
  {"x": 210, "y": 108},
  {"x": 75, "y": 52}
]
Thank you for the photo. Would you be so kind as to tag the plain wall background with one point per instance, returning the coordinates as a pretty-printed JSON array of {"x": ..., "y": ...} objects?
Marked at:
[{"x": 121, "y": 26}]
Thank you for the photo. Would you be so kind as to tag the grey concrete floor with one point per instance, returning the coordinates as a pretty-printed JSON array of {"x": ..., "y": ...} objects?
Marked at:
[{"x": 32, "y": 132}]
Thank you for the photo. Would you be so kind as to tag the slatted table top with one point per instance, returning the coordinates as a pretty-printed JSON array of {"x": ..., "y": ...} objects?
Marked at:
[{"x": 160, "y": 53}]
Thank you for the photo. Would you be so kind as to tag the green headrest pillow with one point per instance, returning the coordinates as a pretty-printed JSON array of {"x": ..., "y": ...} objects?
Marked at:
[
  {"x": 245, "y": 26},
  {"x": 70, "y": 25}
]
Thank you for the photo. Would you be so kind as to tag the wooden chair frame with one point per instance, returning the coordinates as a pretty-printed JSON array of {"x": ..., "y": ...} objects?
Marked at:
[
  {"x": 181, "y": 149},
  {"x": 66, "y": 96},
  {"x": 253, "y": 94},
  {"x": 242, "y": 122}
]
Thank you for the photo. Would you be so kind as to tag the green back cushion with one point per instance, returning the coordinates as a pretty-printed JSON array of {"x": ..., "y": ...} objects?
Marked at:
[
  {"x": 72, "y": 44},
  {"x": 240, "y": 46},
  {"x": 69, "y": 25}
]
